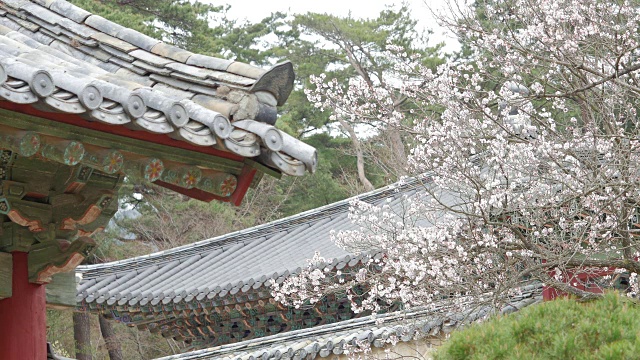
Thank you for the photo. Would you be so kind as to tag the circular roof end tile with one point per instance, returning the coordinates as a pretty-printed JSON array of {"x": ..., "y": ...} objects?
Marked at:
[
  {"x": 91, "y": 97},
  {"x": 221, "y": 127},
  {"x": 135, "y": 106},
  {"x": 178, "y": 115},
  {"x": 42, "y": 83},
  {"x": 273, "y": 139}
]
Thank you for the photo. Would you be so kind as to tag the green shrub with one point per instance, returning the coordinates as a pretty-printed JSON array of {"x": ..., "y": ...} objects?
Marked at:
[{"x": 608, "y": 328}]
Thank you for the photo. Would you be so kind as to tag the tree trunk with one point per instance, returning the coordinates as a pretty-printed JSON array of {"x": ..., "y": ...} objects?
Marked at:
[
  {"x": 398, "y": 151},
  {"x": 359, "y": 154},
  {"x": 110, "y": 338},
  {"x": 82, "y": 335}
]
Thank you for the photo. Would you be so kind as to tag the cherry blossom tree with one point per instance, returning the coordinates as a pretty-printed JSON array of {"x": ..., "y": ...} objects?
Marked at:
[
  {"x": 355, "y": 53},
  {"x": 529, "y": 155}
]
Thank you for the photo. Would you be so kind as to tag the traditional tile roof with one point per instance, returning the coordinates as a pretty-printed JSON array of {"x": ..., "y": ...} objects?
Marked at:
[
  {"x": 229, "y": 262},
  {"x": 335, "y": 339},
  {"x": 62, "y": 59},
  {"x": 191, "y": 292}
]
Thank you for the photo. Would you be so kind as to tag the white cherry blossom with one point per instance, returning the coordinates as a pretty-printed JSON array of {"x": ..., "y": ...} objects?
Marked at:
[{"x": 530, "y": 154}]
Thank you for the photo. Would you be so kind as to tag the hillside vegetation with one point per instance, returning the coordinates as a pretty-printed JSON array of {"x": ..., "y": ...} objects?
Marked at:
[{"x": 608, "y": 328}]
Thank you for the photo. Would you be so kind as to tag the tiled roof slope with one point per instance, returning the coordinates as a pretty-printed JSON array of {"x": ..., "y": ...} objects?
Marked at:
[
  {"x": 61, "y": 58},
  {"x": 230, "y": 263},
  {"x": 229, "y": 275},
  {"x": 334, "y": 339}
]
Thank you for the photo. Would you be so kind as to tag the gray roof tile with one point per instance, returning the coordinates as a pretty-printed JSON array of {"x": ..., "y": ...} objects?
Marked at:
[
  {"x": 24, "y": 23},
  {"x": 209, "y": 62},
  {"x": 151, "y": 68},
  {"x": 16, "y": 4},
  {"x": 134, "y": 77},
  {"x": 113, "y": 42},
  {"x": 7, "y": 22},
  {"x": 37, "y": 36},
  {"x": 138, "y": 39},
  {"x": 99, "y": 23},
  {"x": 42, "y": 13},
  {"x": 99, "y": 49},
  {"x": 245, "y": 70},
  {"x": 68, "y": 10},
  {"x": 171, "y": 52},
  {"x": 95, "y": 52},
  {"x": 172, "y": 92},
  {"x": 150, "y": 58}
]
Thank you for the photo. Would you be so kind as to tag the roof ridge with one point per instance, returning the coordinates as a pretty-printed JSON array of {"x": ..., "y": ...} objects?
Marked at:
[{"x": 81, "y": 16}]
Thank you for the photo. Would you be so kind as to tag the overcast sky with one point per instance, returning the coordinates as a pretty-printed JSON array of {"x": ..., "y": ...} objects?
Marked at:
[{"x": 256, "y": 10}]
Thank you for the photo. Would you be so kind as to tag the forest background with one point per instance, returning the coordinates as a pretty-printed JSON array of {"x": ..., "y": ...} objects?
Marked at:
[{"x": 355, "y": 155}]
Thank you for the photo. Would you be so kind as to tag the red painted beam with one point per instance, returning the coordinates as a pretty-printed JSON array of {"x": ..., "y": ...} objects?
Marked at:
[
  {"x": 244, "y": 179},
  {"x": 244, "y": 182},
  {"x": 23, "y": 317},
  {"x": 192, "y": 193}
]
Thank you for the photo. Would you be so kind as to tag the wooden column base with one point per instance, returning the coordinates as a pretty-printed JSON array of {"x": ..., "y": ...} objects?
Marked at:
[{"x": 23, "y": 317}]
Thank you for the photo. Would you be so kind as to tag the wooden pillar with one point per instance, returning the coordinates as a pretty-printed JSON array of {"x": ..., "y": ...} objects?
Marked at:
[{"x": 23, "y": 316}]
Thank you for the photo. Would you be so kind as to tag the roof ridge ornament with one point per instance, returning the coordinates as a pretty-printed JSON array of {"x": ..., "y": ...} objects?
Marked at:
[{"x": 278, "y": 81}]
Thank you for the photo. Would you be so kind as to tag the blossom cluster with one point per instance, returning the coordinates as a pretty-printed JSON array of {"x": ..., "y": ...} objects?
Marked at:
[{"x": 531, "y": 147}]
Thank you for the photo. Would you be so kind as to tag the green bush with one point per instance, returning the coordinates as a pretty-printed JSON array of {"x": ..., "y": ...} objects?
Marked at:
[{"x": 608, "y": 328}]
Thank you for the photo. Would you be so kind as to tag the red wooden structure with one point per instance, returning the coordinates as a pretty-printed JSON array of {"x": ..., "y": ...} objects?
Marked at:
[
  {"x": 23, "y": 316},
  {"x": 86, "y": 103},
  {"x": 580, "y": 280}
]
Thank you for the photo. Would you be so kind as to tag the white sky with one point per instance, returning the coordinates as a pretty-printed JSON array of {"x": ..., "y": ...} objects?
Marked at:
[{"x": 256, "y": 10}]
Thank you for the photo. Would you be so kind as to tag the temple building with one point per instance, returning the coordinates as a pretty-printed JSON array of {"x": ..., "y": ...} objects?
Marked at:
[
  {"x": 214, "y": 296},
  {"x": 84, "y": 103},
  {"x": 217, "y": 291}
]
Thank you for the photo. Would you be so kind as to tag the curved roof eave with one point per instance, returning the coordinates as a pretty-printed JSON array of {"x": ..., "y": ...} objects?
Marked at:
[{"x": 61, "y": 58}]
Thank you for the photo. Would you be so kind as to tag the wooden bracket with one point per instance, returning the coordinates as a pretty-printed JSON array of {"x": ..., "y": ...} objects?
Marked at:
[{"x": 56, "y": 257}]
